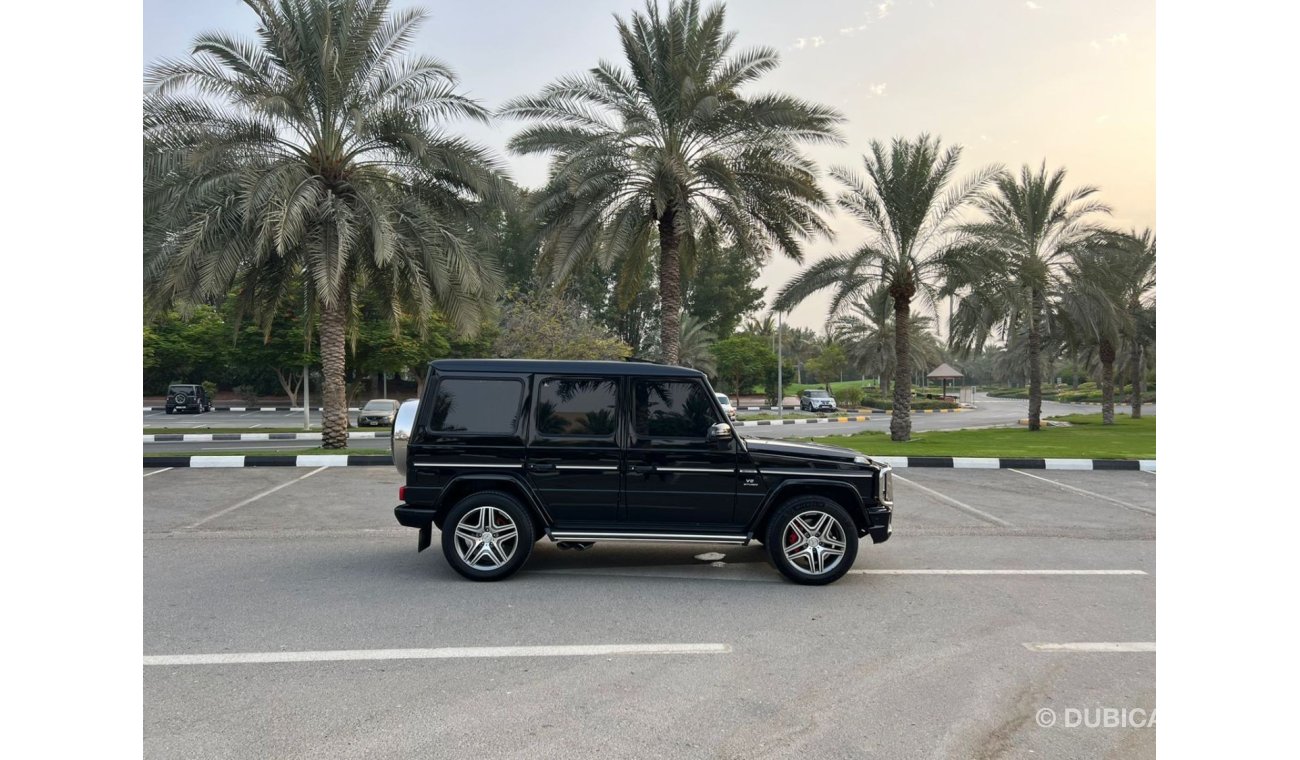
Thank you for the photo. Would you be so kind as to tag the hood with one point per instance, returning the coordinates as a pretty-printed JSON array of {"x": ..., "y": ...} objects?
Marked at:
[{"x": 772, "y": 450}]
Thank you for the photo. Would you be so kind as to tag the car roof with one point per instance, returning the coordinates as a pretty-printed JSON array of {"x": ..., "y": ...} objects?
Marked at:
[{"x": 520, "y": 366}]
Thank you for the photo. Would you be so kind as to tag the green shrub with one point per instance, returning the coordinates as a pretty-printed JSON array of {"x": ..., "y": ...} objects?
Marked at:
[
  {"x": 850, "y": 396},
  {"x": 247, "y": 393},
  {"x": 211, "y": 389}
]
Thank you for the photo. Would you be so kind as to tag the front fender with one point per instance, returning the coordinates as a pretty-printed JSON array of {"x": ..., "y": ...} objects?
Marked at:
[{"x": 796, "y": 485}]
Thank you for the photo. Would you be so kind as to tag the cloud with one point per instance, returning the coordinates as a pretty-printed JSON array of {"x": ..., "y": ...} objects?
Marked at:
[
  {"x": 1102, "y": 119},
  {"x": 876, "y": 90},
  {"x": 1115, "y": 40},
  {"x": 849, "y": 31},
  {"x": 800, "y": 43},
  {"x": 1033, "y": 6},
  {"x": 818, "y": 41},
  {"x": 882, "y": 9}
]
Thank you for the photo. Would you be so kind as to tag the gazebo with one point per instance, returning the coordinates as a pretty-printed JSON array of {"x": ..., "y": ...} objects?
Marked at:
[{"x": 945, "y": 373}]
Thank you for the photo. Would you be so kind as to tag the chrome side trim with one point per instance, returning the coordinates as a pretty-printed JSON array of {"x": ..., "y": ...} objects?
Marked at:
[
  {"x": 586, "y": 467},
  {"x": 465, "y": 464},
  {"x": 828, "y": 473},
  {"x": 692, "y": 538},
  {"x": 692, "y": 469}
]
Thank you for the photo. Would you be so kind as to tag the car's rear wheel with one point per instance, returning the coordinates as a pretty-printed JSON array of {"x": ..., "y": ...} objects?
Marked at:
[
  {"x": 812, "y": 540},
  {"x": 487, "y": 536}
]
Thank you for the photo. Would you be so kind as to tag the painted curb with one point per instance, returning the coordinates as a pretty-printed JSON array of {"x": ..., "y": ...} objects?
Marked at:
[
  {"x": 209, "y": 437},
  {"x": 254, "y": 409},
  {"x": 828, "y": 420},
  {"x": 959, "y": 463}
]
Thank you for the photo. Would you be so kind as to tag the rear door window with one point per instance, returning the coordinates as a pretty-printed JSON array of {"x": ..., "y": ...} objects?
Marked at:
[
  {"x": 577, "y": 406},
  {"x": 476, "y": 406}
]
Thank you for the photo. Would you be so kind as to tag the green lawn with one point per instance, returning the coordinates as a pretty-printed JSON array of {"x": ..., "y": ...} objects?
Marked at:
[
  {"x": 269, "y": 452},
  {"x": 1087, "y": 438}
]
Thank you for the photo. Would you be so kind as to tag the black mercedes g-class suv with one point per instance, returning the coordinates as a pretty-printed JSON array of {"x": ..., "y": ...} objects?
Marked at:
[{"x": 501, "y": 453}]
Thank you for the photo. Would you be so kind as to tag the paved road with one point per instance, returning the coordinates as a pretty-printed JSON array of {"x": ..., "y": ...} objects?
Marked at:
[
  {"x": 988, "y": 412},
  {"x": 910, "y": 665}
]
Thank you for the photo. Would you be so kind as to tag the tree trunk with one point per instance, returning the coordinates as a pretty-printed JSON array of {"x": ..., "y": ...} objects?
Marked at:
[
  {"x": 1135, "y": 376},
  {"x": 1035, "y": 361},
  {"x": 670, "y": 287},
  {"x": 289, "y": 385},
  {"x": 1074, "y": 368},
  {"x": 333, "y": 350},
  {"x": 1107, "y": 352},
  {"x": 900, "y": 425}
]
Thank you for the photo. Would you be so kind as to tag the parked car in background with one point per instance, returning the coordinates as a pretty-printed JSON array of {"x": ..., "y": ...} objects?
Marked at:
[
  {"x": 498, "y": 454},
  {"x": 816, "y": 400},
  {"x": 185, "y": 397},
  {"x": 378, "y": 412},
  {"x": 726, "y": 406}
]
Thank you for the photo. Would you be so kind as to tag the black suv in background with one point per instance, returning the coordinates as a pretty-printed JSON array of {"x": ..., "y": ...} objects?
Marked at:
[
  {"x": 499, "y": 454},
  {"x": 187, "y": 398}
]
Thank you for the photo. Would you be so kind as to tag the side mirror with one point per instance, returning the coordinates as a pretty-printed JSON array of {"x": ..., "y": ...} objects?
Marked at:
[{"x": 719, "y": 433}]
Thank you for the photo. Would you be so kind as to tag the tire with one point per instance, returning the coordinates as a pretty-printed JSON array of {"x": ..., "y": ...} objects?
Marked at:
[
  {"x": 464, "y": 526},
  {"x": 795, "y": 524},
  {"x": 171, "y": 411}
]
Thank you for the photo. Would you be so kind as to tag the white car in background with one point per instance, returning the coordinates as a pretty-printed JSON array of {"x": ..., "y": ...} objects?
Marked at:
[{"x": 726, "y": 406}]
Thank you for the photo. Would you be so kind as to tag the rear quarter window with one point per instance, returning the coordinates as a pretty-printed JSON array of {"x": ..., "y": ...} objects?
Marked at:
[{"x": 476, "y": 405}]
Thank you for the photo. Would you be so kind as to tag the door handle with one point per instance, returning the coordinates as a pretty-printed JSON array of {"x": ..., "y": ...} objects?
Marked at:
[
  {"x": 540, "y": 467},
  {"x": 643, "y": 469}
]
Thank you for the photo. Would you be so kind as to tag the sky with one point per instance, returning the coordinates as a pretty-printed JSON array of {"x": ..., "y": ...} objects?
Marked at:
[{"x": 1069, "y": 82}]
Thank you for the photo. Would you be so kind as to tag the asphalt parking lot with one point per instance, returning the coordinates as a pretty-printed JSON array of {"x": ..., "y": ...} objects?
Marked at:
[{"x": 947, "y": 641}]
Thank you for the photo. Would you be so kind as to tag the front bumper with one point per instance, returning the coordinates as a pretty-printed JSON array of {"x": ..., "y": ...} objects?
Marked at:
[{"x": 880, "y": 524}]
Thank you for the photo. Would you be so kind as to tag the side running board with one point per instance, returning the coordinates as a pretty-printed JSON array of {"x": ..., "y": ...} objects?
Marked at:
[{"x": 691, "y": 538}]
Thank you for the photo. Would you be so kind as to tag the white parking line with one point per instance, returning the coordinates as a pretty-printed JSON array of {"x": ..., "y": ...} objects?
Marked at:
[
  {"x": 251, "y": 499},
  {"x": 928, "y": 571},
  {"x": 1086, "y": 492},
  {"x": 968, "y": 509},
  {"x": 1094, "y": 646},
  {"x": 441, "y": 653},
  {"x": 155, "y": 472}
]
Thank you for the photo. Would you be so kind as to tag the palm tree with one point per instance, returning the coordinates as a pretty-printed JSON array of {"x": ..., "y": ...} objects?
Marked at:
[
  {"x": 311, "y": 158},
  {"x": 669, "y": 148},
  {"x": 1091, "y": 300},
  {"x": 1138, "y": 286},
  {"x": 868, "y": 336},
  {"x": 694, "y": 346},
  {"x": 1033, "y": 226},
  {"x": 911, "y": 206}
]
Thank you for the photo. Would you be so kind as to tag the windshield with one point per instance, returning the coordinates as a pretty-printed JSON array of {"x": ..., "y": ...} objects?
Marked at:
[
  {"x": 818, "y": 394},
  {"x": 722, "y": 399},
  {"x": 379, "y": 406}
]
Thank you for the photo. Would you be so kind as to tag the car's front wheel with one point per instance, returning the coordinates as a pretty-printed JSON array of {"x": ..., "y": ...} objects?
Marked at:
[
  {"x": 812, "y": 540},
  {"x": 487, "y": 536}
]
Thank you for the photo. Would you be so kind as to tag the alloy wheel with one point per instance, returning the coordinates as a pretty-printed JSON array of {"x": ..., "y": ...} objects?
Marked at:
[
  {"x": 814, "y": 542},
  {"x": 486, "y": 538}
]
